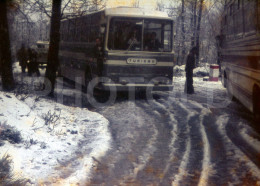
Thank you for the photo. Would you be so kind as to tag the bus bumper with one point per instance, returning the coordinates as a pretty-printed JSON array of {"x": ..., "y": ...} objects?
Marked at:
[{"x": 136, "y": 87}]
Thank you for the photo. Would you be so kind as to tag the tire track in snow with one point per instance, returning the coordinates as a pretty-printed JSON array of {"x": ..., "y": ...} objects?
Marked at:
[
  {"x": 252, "y": 141},
  {"x": 173, "y": 122},
  {"x": 242, "y": 141},
  {"x": 171, "y": 145},
  {"x": 192, "y": 174},
  {"x": 179, "y": 144},
  {"x": 185, "y": 173},
  {"x": 182, "y": 171},
  {"x": 206, "y": 165},
  {"x": 217, "y": 166},
  {"x": 240, "y": 166},
  {"x": 183, "y": 167},
  {"x": 146, "y": 154},
  {"x": 152, "y": 169},
  {"x": 119, "y": 163}
]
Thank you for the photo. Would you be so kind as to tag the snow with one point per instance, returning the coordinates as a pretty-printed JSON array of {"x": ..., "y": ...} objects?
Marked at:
[
  {"x": 182, "y": 170},
  {"x": 60, "y": 151},
  {"x": 183, "y": 166},
  {"x": 213, "y": 93},
  {"x": 234, "y": 153},
  {"x": 207, "y": 167},
  {"x": 248, "y": 135},
  {"x": 63, "y": 152},
  {"x": 209, "y": 95},
  {"x": 201, "y": 71}
]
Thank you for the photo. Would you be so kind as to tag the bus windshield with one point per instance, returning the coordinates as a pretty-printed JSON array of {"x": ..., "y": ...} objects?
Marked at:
[{"x": 137, "y": 34}]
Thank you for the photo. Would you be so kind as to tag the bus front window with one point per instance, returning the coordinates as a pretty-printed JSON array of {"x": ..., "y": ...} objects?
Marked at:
[
  {"x": 157, "y": 35},
  {"x": 125, "y": 34},
  {"x": 132, "y": 34}
]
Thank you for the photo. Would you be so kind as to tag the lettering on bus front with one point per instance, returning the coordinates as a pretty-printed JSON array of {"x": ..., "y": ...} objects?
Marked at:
[{"x": 141, "y": 61}]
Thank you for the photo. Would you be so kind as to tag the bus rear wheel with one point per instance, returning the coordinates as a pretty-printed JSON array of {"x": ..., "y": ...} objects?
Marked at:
[{"x": 256, "y": 103}]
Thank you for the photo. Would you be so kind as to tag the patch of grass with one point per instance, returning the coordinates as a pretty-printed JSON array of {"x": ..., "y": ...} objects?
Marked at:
[
  {"x": 22, "y": 91},
  {"x": 51, "y": 118},
  {"x": 11, "y": 135},
  {"x": 6, "y": 176},
  {"x": 8, "y": 133}
]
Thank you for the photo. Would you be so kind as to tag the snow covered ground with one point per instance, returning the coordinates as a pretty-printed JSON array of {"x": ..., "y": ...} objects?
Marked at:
[
  {"x": 64, "y": 150},
  {"x": 60, "y": 144},
  {"x": 179, "y": 139},
  {"x": 201, "y": 71}
]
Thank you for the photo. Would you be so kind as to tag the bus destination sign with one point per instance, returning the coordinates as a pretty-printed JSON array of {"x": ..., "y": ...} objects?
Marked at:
[{"x": 142, "y": 61}]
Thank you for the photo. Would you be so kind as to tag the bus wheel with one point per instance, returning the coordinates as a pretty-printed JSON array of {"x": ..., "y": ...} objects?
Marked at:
[{"x": 256, "y": 103}]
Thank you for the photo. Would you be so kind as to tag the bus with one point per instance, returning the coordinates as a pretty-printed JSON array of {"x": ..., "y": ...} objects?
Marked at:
[
  {"x": 128, "y": 60},
  {"x": 42, "y": 48},
  {"x": 239, "y": 52}
]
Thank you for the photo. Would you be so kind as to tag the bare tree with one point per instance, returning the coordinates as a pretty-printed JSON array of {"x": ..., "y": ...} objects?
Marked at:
[
  {"x": 5, "y": 49},
  {"x": 193, "y": 22},
  {"x": 53, "y": 59},
  {"x": 160, "y": 6},
  {"x": 136, "y": 3},
  {"x": 183, "y": 30},
  {"x": 57, "y": 13},
  {"x": 198, "y": 32}
]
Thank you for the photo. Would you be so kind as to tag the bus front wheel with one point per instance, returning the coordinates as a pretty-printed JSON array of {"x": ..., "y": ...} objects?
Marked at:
[{"x": 256, "y": 103}]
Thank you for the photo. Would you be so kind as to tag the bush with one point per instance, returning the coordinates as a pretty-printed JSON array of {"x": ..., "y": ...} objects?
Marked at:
[
  {"x": 11, "y": 135},
  {"x": 6, "y": 176}
]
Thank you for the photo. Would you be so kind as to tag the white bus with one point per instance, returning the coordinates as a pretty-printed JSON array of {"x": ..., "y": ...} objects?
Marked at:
[
  {"x": 124, "y": 63},
  {"x": 240, "y": 52}
]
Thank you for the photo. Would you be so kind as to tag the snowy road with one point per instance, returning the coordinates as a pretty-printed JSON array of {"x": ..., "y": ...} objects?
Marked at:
[
  {"x": 172, "y": 138},
  {"x": 175, "y": 139}
]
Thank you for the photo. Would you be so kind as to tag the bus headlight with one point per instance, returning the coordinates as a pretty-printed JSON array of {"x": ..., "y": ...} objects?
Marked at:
[{"x": 161, "y": 80}]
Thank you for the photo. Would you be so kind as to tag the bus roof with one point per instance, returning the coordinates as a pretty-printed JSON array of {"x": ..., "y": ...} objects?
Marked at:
[
  {"x": 135, "y": 12},
  {"x": 128, "y": 12}
]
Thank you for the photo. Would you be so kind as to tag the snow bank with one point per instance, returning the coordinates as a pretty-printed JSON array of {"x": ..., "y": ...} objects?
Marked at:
[
  {"x": 179, "y": 70},
  {"x": 201, "y": 71},
  {"x": 58, "y": 142}
]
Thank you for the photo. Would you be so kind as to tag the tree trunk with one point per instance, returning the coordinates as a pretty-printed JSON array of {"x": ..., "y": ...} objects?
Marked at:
[
  {"x": 53, "y": 59},
  {"x": 198, "y": 33},
  {"x": 5, "y": 50},
  {"x": 177, "y": 46},
  {"x": 194, "y": 22},
  {"x": 182, "y": 32}
]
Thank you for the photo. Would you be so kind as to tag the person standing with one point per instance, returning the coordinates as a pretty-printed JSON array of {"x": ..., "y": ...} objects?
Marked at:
[
  {"x": 22, "y": 58},
  {"x": 190, "y": 65},
  {"x": 154, "y": 44},
  {"x": 33, "y": 64},
  {"x": 98, "y": 55}
]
